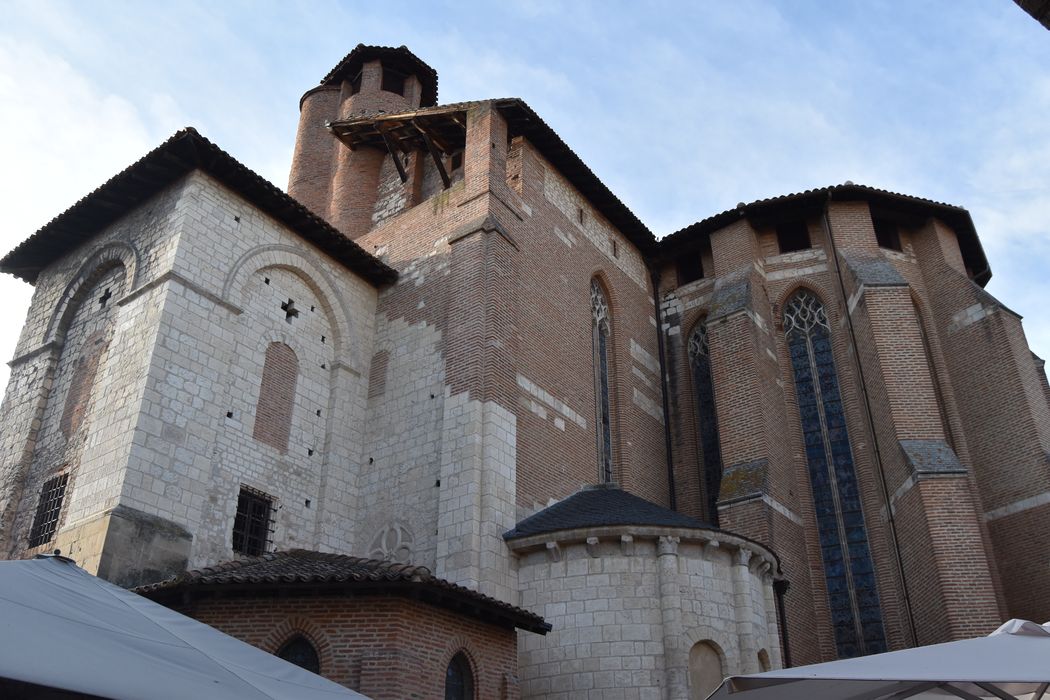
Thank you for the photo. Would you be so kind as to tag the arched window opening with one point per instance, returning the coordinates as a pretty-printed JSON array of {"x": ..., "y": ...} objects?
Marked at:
[
  {"x": 459, "y": 679},
  {"x": 763, "y": 660},
  {"x": 705, "y": 670},
  {"x": 600, "y": 347},
  {"x": 273, "y": 414},
  {"x": 299, "y": 651},
  {"x": 848, "y": 570},
  {"x": 707, "y": 421}
]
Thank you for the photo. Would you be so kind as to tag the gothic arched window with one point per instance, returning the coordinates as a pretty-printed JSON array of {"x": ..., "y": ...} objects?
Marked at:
[
  {"x": 707, "y": 423},
  {"x": 848, "y": 571},
  {"x": 459, "y": 679},
  {"x": 299, "y": 651},
  {"x": 600, "y": 347}
]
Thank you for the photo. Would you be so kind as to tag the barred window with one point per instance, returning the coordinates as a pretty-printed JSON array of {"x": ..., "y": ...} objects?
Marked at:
[
  {"x": 600, "y": 350},
  {"x": 253, "y": 525},
  {"x": 299, "y": 651},
  {"x": 48, "y": 508},
  {"x": 848, "y": 571}
]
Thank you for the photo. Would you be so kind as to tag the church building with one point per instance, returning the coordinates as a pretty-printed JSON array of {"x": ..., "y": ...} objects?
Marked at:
[{"x": 447, "y": 418}]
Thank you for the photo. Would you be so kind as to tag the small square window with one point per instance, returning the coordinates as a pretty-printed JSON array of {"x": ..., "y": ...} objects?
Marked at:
[
  {"x": 253, "y": 525},
  {"x": 690, "y": 268},
  {"x": 48, "y": 508},
  {"x": 887, "y": 234},
  {"x": 456, "y": 161},
  {"x": 793, "y": 235}
]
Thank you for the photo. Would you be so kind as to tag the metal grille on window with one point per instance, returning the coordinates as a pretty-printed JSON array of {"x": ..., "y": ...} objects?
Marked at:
[
  {"x": 600, "y": 345},
  {"x": 299, "y": 651},
  {"x": 849, "y": 574},
  {"x": 707, "y": 422},
  {"x": 459, "y": 679},
  {"x": 253, "y": 525},
  {"x": 48, "y": 508}
]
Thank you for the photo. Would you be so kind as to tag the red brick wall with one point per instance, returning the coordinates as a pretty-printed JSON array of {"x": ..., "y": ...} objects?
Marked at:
[
  {"x": 82, "y": 382},
  {"x": 273, "y": 415},
  {"x": 386, "y": 647}
]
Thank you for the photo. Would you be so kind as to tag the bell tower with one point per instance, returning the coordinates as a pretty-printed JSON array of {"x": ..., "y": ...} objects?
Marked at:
[{"x": 333, "y": 181}]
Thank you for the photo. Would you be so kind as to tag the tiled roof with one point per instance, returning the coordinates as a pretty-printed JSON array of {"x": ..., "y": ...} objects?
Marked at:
[
  {"x": 300, "y": 569},
  {"x": 184, "y": 152},
  {"x": 522, "y": 120},
  {"x": 955, "y": 216},
  {"x": 399, "y": 58},
  {"x": 601, "y": 506}
]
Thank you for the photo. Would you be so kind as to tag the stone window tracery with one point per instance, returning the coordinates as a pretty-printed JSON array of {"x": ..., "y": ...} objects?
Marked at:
[
  {"x": 600, "y": 333},
  {"x": 849, "y": 574},
  {"x": 707, "y": 421}
]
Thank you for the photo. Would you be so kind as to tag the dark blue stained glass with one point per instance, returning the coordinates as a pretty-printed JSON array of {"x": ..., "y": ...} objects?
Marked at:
[
  {"x": 606, "y": 427},
  {"x": 847, "y": 565},
  {"x": 844, "y": 634},
  {"x": 877, "y": 646},
  {"x": 837, "y": 584},
  {"x": 869, "y": 616},
  {"x": 861, "y": 565},
  {"x": 710, "y": 448},
  {"x": 842, "y": 618}
]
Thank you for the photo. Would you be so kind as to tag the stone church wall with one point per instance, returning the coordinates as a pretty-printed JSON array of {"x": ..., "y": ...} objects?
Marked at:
[{"x": 627, "y": 605}]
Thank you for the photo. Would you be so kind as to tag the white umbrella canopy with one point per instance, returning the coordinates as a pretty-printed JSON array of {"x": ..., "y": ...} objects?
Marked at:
[
  {"x": 1012, "y": 663},
  {"x": 62, "y": 628}
]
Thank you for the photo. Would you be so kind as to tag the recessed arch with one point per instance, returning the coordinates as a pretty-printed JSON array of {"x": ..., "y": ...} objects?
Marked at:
[
  {"x": 99, "y": 263},
  {"x": 706, "y": 669},
  {"x": 310, "y": 272}
]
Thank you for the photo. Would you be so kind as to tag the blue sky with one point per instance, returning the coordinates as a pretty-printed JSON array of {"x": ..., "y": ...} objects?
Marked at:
[{"x": 683, "y": 109}]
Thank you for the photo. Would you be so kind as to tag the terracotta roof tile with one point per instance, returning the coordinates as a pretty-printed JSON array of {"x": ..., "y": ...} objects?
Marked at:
[{"x": 300, "y": 568}]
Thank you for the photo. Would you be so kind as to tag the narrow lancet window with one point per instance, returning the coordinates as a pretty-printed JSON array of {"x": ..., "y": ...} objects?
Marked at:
[
  {"x": 707, "y": 423},
  {"x": 600, "y": 346},
  {"x": 849, "y": 575}
]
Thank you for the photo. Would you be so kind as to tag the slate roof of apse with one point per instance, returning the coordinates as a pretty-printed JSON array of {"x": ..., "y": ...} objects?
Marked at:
[
  {"x": 182, "y": 153},
  {"x": 522, "y": 120},
  {"x": 955, "y": 216},
  {"x": 400, "y": 58},
  {"x": 308, "y": 571},
  {"x": 601, "y": 506}
]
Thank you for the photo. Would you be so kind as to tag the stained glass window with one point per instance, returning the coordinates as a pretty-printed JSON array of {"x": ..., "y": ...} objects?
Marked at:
[
  {"x": 459, "y": 679},
  {"x": 707, "y": 423},
  {"x": 600, "y": 347},
  {"x": 848, "y": 571},
  {"x": 299, "y": 651}
]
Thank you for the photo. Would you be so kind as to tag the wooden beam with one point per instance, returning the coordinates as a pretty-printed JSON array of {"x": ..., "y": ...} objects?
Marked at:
[
  {"x": 427, "y": 131},
  {"x": 437, "y": 160},
  {"x": 393, "y": 154}
]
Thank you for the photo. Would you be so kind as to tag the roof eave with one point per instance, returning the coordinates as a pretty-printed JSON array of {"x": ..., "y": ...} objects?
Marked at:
[{"x": 183, "y": 153}]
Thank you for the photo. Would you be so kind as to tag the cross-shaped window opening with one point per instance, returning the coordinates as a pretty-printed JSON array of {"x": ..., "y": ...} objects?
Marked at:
[
  {"x": 290, "y": 312},
  {"x": 106, "y": 296}
]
